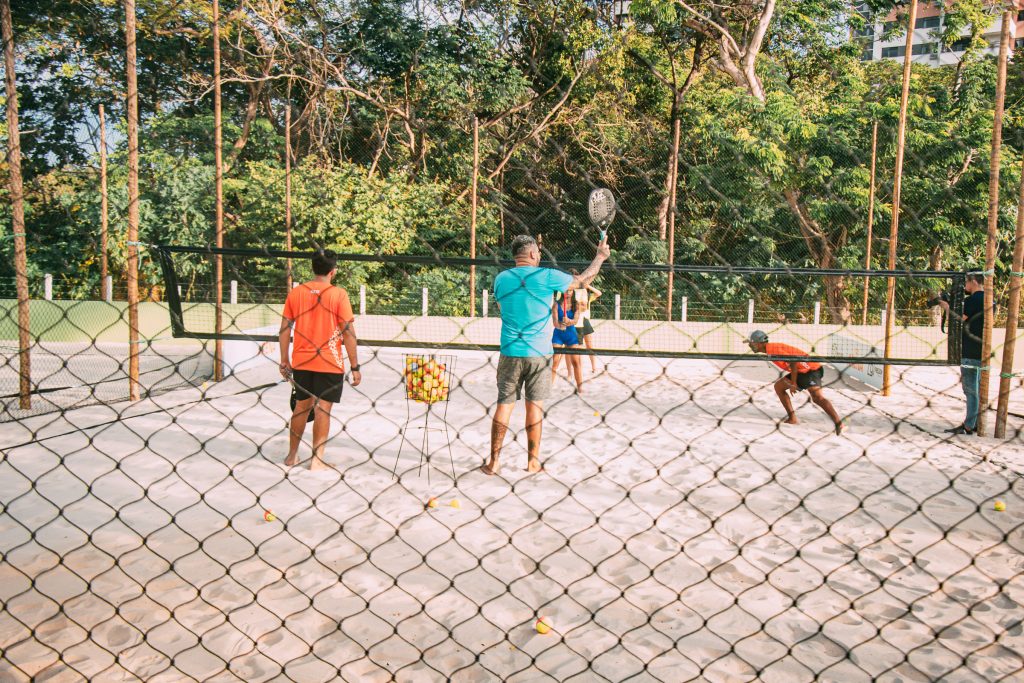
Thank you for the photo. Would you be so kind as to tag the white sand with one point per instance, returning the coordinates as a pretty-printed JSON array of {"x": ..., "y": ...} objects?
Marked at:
[{"x": 678, "y": 534}]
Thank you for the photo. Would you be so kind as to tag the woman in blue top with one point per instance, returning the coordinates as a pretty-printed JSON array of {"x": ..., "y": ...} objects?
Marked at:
[{"x": 564, "y": 336}]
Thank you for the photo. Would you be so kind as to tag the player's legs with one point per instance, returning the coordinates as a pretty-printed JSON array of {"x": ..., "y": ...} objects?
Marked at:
[
  {"x": 969, "y": 379},
  {"x": 557, "y": 361},
  {"x": 321, "y": 428},
  {"x": 296, "y": 426},
  {"x": 509, "y": 380},
  {"x": 499, "y": 427},
  {"x": 588, "y": 340},
  {"x": 782, "y": 391},
  {"x": 575, "y": 363},
  {"x": 534, "y": 428},
  {"x": 819, "y": 399}
]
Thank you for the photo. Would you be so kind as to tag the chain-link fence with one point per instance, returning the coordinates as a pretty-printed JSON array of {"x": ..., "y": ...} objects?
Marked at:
[{"x": 697, "y": 517}]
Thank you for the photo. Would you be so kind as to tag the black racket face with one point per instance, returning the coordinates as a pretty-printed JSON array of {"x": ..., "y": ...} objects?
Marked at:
[
  {"x": 601, "y": 207},
  {"x": 294, "y": 400}
]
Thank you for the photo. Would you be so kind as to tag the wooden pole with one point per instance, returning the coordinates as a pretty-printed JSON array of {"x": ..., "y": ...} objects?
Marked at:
[
  {"x": 288, "y": 184},
  {"x": 17, "y": 210},
  {"x": 894, "y": 228},
  {"x": 674, "y": 177},
  {"x": 218, "y": 162},
  {"x": 1012, "y": 318},
  {"x": 871, "y": 220},
  {"x": 472, "y": 214},
  {"x": 993, "y": 222},
  {"x": 132, "y": 111},
  {"x": 104, "y": 266}
]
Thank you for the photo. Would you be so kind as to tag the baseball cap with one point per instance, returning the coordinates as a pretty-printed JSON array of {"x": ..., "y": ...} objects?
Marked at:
[{"x": 757, "y": 337}]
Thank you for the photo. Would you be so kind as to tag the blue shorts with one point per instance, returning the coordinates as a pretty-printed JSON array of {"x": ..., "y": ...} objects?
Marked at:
[{"x": 566, "y": 337}]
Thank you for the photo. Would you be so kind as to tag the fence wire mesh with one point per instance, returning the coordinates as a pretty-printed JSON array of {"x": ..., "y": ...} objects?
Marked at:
[{"x": 681, "y": 529}]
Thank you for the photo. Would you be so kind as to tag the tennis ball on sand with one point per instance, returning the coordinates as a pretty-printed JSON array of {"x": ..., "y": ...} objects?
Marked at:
[
  {"x": 1000, "y": 506},
  {"x": 543, "y": 625},
  {"x": 455, "y": 503},
  {"x": 432, "y": 503},
  {"x": 269, "y": 516}
]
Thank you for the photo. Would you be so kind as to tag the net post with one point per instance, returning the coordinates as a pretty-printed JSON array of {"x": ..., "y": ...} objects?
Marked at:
[
  {"x": 485, "y": 301},
  {"x": 362, "y": 299},
  {"x": 817, "y": 312},
  {"x": 48, "y": 286},
  {"x": 17, "y": 209},
  {"x": 234, "y": 291},
  {"x": 618, "y": 307},
  {"x": 424, "y": 303},
  {"x": 472, "y": 215},
  {"x": 172, "y": 293},
  {"x": 683, "y": 311},
  {"x": 750, "y": 311},
  {"x": 132, "y": 115},
  {"x": 218, "y": 177},
  {"x": 108, "y": 289}
]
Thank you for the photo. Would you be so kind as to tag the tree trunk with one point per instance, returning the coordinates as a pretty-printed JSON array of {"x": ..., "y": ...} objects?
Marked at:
[
  {"x": 218, "y": 175},
  {"x": 132, "y": 111}
]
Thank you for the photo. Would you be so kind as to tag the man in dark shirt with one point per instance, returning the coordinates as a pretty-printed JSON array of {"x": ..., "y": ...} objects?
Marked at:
[{"x": 974, "y": 325}]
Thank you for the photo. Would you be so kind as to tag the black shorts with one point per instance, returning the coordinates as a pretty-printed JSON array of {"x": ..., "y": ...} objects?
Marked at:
[
  {"x": 806, "y": 380},
  {"x": 326, "y": 386}
]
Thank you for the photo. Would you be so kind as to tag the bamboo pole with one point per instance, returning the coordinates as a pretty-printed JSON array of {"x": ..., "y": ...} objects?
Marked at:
[
  {"x": 218, "y": 162},
  {"x": 894, "y": 227},
  {"x": 104, "y": 266},
  {"x": 674, "y": 176},
  {"x": 993, "y": 222},
  {"x": 132, "y": 111},
  {"x": 871, "y": 220},
  {"x": 472, "y": 214},
  {"x": 17, "y": 210},
  {"x": 1012, "y": 318},
  {"x": 288, "y": 185}
]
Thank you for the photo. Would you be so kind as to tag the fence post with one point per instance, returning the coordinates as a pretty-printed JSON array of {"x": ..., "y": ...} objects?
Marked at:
[
  {"x": 48, "y": 287},
  {"x": 618, "y": 307},
  {"x": 485, "y": 301},
  {"x": 425, "y": 299},
  {"x": 885, "y": 314},
  {"x": 683, "y": 311},
  {"x": 750, "y": 311},
  {"x": 234, "y": 291},
  {"x": 362, "y": 299},
  {"x": 108, "y": 289},
  {"x": 817, "y": 312},
  {"x": 179, "y": 291}
]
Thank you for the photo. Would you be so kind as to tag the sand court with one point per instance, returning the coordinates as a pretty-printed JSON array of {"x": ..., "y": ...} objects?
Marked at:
[{"x": 678, "y": 533}]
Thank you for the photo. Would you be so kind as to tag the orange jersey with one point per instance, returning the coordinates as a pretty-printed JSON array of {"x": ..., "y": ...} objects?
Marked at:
[
  {"x": 319, "y": 312},
  {"x": 777, "y": 349}
]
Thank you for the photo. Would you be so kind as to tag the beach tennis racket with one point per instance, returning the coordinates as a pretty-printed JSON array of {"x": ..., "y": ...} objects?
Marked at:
[
  {"x": 294, "y": 400},
  {"x": 601, "y": 208}
]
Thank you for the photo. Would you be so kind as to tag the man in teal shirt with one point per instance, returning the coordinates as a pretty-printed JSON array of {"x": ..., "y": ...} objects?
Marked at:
[{"x": 524, "y": 296}]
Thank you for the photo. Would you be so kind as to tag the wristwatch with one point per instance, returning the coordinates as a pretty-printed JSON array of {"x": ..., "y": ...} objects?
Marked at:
[{"x": 354, "y": 368}]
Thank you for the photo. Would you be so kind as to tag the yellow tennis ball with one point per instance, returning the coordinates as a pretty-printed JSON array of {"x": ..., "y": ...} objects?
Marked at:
[
  {"x": 455, "y": 503},
  {"x": 543, "y": 625},
  {"x": 269, "y": 516},
  {"x": 1000, "y": 506}
]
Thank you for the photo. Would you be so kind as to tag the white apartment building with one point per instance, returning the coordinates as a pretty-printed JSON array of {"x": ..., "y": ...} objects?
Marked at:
[{"x": 884, "y": 41}]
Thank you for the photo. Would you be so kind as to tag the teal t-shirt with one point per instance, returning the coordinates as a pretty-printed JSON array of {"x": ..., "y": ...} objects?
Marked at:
[{"x": 524, "y": 294}]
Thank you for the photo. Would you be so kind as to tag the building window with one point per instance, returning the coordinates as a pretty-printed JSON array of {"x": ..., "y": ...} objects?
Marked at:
[
  {"x": 867, "y": 55},
  {"x": 959, "y": 45},
  {"x": 924, "y": 49},
  {"x": 928, "y": 22},
  {"x": 894, "y": 51},
  {"x": 1018, "y": 44},
  {"x": 868, "y": 30},
  {"x": 1020, "y": 15}
]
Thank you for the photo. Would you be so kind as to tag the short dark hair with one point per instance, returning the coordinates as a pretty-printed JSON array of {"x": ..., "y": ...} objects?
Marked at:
[
  {"x": 324, "y": 261},
  {"x": 976, "y": 277},
  {"x": 521, "y": 243}
]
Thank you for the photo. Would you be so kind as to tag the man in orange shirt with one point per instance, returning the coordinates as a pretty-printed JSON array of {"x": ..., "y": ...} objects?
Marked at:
[
  {"x": 322, "y": 318},
  {"x": 801, "y": 375}
]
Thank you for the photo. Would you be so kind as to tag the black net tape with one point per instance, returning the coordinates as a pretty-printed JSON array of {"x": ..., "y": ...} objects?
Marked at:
[{"x": 679, "y": 531}]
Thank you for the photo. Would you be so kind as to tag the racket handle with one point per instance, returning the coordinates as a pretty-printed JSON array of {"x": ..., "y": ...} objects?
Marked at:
[{"x": 604, "y": 234}]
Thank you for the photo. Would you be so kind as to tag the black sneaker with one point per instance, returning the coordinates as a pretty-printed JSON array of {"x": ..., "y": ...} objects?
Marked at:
[{"x": 962, "y": 429}]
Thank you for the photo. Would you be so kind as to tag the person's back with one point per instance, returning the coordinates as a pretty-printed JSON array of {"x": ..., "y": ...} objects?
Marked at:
[
  {"x": 524, "y": 296},
  {"x": 780, "y": 349},
  {"x": 974, "y": 325},
  {"x": 320, "y": 312}
]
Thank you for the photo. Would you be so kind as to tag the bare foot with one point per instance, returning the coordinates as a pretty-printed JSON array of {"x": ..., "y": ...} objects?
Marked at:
[
  {"x": 533, "y": 466},
  {"x": 491, "y": 468},
  {"x": 840, "y": 427},
  {"x": 291, "y": 461},
  {"x": 791, "y": 421},
  {"x": 318, "y": 465}
]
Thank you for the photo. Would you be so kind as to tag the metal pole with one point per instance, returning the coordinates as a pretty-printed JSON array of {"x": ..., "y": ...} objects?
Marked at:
[
  {"x": 132, "y": 110},
  {"x": 424, "y": 302},
  {"x": 17, "y": 209},
  {"x": 817, "y": 312},
  {"x": 234, "y": 291},
  {"x": 674, "y": 174},
  {"x": 288, "y": 184},
  {"x": 48, "y": 286},
  {"x": 108, "y": 289},
  {"x": 683, "y": 312},
  {"x": 871, "y": 220},
  {"x": 750, "y": 311},
  {"x": 993, "y": 222},
  {"x": 218, "y": 163},
  {"x": 486, "y": 301},
  {"x": 103, "y": 197},
  {"x": 472, "y": 214},
  {"x": 618, "y": 307},
  {"x": 894, "y": 227},
  {"x": 362, "y": 299}
]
